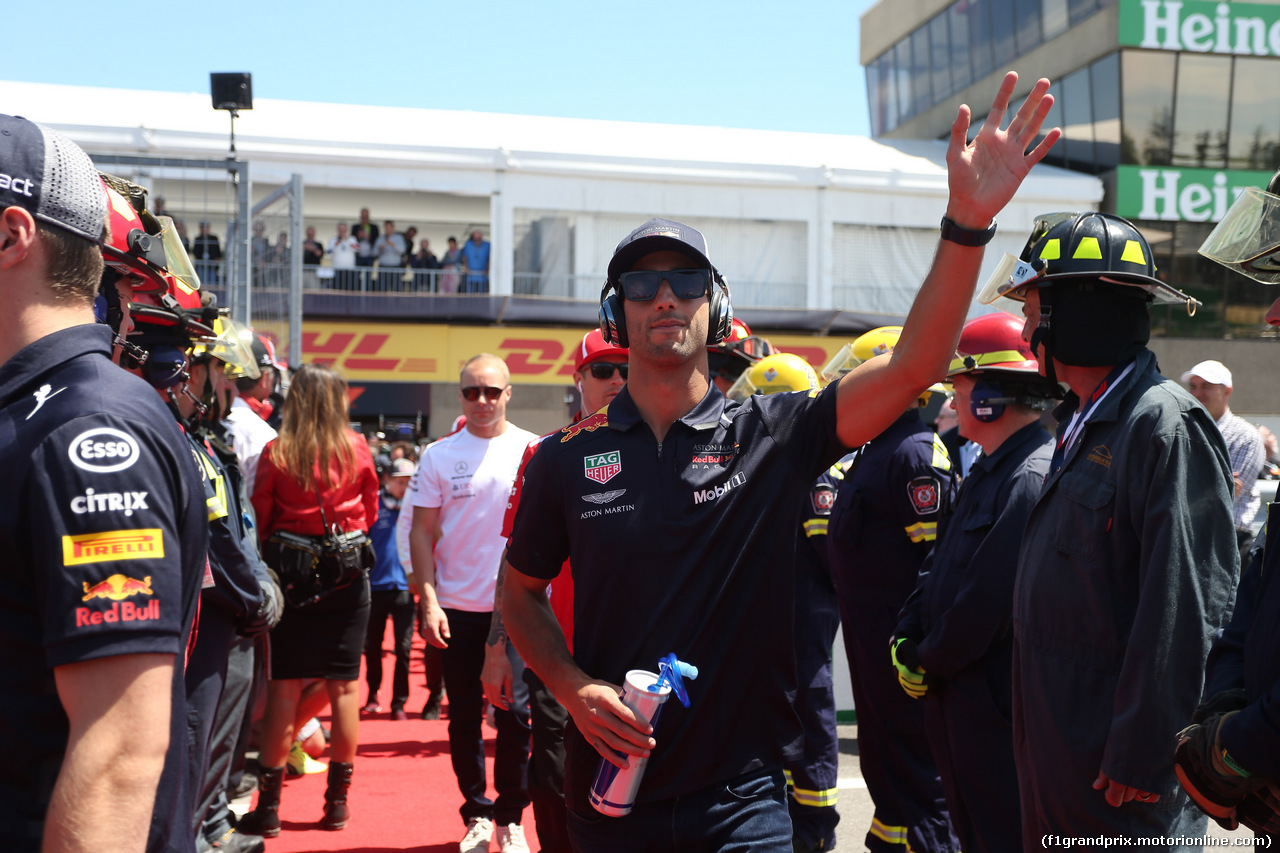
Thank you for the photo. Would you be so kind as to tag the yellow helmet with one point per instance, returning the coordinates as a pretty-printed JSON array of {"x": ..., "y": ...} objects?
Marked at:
[
  {"x": 228, "y": 346},
  {"x": 866, "y": 346},
  {"x": 779, "y": 372}
]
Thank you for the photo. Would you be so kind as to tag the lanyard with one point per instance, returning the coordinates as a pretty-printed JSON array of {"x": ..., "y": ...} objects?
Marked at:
[{"x": 1076, "y": 425}]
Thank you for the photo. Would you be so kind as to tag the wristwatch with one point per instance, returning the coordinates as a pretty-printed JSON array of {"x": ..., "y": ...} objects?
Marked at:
[{"x": 967, "y": 236}]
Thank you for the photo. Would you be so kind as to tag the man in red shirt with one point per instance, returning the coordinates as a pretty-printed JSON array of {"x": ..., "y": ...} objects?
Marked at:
[{"x": 600, "y": 373}]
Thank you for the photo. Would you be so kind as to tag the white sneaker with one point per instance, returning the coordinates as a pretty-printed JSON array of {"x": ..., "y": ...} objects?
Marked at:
[
  {"x": 479, "y": 834},
  {"x": 511, "y": 839}
]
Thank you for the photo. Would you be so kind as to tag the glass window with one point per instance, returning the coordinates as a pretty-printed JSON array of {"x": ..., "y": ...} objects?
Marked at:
[
  {"x": 940, "y": 44},
  {"x": 1003, "y": 48},
  {"x": 958, "y": 16},
  {"x": 875, "y": 99},
  {"x": 979, "y": 14},
  {"x": 1200, "y": 111},
  {"x": 1028, "y": 21},
  {"x": 1147, "y": 108},
  {"x": 1077, "y": 116},
  {"x": 902, "y": 79},
  {"x": 1081, "y": 9},
  {"x": 1057, "y": 155},
  {"x": 921, "y": 88},
  {"x": 1105, "y": 88},
  {"x": 1056, "y": 18},
  {"x": 1255, "y": 116}
]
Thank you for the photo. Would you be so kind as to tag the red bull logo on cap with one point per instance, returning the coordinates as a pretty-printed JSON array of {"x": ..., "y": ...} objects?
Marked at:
[{"x": 113, "y": 545}]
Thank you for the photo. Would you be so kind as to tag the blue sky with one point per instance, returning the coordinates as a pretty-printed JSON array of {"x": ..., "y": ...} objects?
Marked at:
[{"x": 736, "y": 63}]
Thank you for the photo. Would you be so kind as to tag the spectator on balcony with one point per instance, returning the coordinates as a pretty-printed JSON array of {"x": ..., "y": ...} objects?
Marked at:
[
  {"x": 312, "y": 251},
  {"x": 342, "y": 254},
  {"x": 450, "y": 263},
  {"x": 259, "y": 251},
  {"x": 364, "y": 253},
  {"x": 389, "y": 249},
  {"x": 410, "y": 234},
  {"x": 475, "y": 261},
  {"x": 369, "y": 228},
  {"x": 206, "y": 251},
  {"x": 278, "y": 275},
  {"x": 423, "y": 262}
]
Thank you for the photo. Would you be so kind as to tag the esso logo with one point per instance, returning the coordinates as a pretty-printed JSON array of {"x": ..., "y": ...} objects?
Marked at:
[{"x": 103, "y": 450}]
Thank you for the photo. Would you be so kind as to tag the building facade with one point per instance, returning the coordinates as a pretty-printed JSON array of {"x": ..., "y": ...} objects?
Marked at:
[{"x": 1171, "y": 102}]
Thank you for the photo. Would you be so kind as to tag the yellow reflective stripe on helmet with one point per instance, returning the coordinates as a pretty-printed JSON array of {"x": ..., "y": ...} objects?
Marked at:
[
  {"x": 1133, "y": 253},
  {"x": 216, "y": 506},
  {"x": 1052, "y": 250},
  {"x": 973, "y": 362},
  {"x": 815, "y": 527},
  {"x": 922, "y": 531},
  {"x": 941, "y": 459},
  {"x": 1087, "y": 249},
  {"x": 891, "y": 834}
]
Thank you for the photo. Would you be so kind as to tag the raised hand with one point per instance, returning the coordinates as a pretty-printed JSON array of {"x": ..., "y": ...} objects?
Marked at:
[{"x": 984, "y": 174}]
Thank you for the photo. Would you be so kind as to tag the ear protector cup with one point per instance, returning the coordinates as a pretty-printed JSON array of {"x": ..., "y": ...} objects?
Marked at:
[
  {"x": 613, "y": 323},
  {"x": 987, "y": 400},
  {"x": 720, "y": 317}
]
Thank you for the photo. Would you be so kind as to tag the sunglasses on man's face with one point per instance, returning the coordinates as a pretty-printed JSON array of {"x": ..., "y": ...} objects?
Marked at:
[
  {"x": 642, "y": 285},
  {"x": 604, "y": 370},
  {"x": 472, "y": 393}
]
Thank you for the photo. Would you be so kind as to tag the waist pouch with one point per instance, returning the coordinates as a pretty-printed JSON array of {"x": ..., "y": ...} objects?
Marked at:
[{"x": 312, "y": 567}]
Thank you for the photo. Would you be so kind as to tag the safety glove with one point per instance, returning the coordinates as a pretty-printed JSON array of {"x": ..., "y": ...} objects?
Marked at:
[
  {"x": 1220, "y": 703},
  {"x": 1260, "y": 811},
  {"x": 906, "y": 659},
  {"x": 1209, "y": 774}
]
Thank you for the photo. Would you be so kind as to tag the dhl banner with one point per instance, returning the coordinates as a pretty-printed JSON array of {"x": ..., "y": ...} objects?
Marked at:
[{"x": 369, "y": 351}]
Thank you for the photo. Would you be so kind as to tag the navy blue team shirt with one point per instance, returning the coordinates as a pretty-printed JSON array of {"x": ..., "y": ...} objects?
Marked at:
[
  {"x": 687, "y": 546},
  {"x": 102, "y": 553}
]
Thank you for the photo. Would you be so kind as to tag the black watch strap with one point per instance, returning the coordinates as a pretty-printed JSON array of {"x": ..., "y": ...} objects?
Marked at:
[{"x": 967, "y": 236}]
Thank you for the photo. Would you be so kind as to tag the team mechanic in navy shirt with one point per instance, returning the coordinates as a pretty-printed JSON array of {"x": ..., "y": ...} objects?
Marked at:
[
  {"x": 677, "y": 510},
  {"x": 102, "y": 540}
]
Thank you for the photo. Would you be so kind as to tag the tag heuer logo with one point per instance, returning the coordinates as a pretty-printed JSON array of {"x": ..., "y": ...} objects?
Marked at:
[{"x": 603, "y": 467}]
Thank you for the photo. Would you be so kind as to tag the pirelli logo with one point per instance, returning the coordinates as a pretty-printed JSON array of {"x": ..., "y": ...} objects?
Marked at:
[{"x": 112, "y": 545}]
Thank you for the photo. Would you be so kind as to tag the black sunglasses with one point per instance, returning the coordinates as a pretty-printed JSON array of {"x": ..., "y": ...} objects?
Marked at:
[
  {"x": 642, "y": 285},
  {"x": 472, "y": 392},
  {"x": 604, "y": 370}
]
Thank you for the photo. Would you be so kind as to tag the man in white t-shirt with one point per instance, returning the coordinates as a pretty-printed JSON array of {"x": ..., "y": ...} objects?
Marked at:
[
  {"x": 342, "y": 254},
  {"x": 463, "y": 482}
]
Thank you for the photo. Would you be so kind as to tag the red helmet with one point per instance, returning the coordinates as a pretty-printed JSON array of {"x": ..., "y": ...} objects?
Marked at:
[
  {"x": 993, "y": 342},
  {"x": 135, "y": 248}
]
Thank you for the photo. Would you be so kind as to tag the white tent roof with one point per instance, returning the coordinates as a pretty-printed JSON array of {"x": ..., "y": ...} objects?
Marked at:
[{"x": 120, "y": 121}]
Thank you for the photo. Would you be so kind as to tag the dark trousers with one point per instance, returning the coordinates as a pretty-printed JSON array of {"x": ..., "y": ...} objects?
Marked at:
[
  {"x": 463, "y": 661},
  {"x": 205, "y": 675},
  {"x": 398, "y": 605},
  {"x": 547, "y": 719},
  {"x": 225, "y": 747},
  {"x": 743, "y": 815}
]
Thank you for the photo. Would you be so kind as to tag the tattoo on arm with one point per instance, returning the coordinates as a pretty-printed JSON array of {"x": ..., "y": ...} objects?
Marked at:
[{"x": 497, "y": 630}]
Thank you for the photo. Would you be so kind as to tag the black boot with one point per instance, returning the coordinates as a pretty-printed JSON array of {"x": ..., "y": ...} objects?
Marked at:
[
  {"x": 431, "y": 710},
  {"x": 335, "y": 796},
  {"x": 265, "y": 819}
]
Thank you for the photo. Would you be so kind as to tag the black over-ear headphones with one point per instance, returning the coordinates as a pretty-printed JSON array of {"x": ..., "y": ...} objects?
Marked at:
[
  {"x": 988, "y": 399},
  {"x": 613, "y": 320}
]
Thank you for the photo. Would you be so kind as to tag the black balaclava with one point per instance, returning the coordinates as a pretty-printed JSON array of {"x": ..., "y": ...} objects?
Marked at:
[{"x": 1093, "y": 323}]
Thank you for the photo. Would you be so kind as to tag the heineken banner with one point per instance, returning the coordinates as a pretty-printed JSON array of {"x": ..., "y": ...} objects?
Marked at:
[
  {"x": 1173, "y": 194},
  {"x": 1196, "y": 26}
]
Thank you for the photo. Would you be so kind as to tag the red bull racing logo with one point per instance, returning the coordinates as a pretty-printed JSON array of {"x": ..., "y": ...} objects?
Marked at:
[
  {"x": 112, "y": 545},
  {"x": 115, "y": 589},
  {"x": 588, "y": 424},
  {"x": 603, "y": 467}
]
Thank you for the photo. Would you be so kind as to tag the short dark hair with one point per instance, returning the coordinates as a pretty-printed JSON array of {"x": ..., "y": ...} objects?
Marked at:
[{"x": 73, "y": 265}]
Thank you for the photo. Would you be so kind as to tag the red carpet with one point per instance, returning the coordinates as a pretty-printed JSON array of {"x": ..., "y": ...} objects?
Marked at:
[{"x": 403, "y": 794}]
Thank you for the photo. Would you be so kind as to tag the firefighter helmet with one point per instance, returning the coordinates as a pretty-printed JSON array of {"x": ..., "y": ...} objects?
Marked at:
[
  {"x": 1071, "y": 246},
  {"x": 782, "y": 371},
  {"x": 1247, "y": 239},
  {"x": 993, "y": 342}
]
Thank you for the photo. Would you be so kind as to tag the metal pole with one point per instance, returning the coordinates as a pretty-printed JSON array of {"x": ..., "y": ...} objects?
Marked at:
[
  {"x": 239, "y": 287},
  {"x": 295, "y": 270}
]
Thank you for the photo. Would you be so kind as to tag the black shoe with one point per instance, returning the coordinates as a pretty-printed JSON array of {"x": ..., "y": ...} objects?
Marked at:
[
  {"x": 237, "y": 842},
  {"x": 431, "y": 711},
  {"x": 248, "y": 784}
]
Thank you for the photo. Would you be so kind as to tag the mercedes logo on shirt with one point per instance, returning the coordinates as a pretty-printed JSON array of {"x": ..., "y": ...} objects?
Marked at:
[{"x": 460, "y": 467}]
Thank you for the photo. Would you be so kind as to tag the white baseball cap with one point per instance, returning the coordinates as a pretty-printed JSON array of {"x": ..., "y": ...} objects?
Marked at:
[{"x": 1213, "y": 372}]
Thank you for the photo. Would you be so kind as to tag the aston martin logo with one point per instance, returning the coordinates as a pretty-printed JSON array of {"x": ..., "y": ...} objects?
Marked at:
[{"x": 604, "y": 497}]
